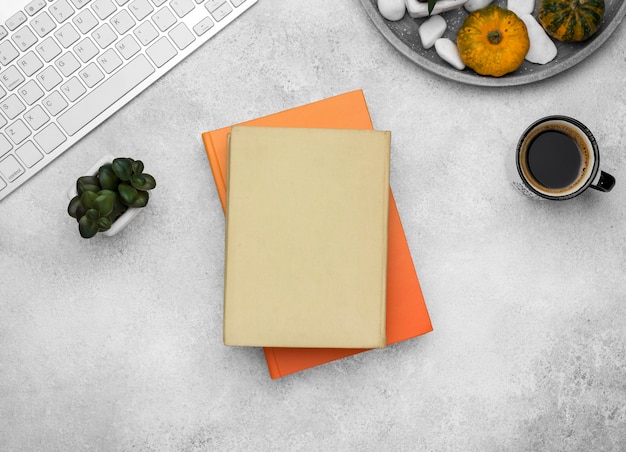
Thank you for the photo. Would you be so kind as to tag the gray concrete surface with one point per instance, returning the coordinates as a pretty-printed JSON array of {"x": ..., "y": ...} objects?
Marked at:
[{"x": 115, "y": 343}]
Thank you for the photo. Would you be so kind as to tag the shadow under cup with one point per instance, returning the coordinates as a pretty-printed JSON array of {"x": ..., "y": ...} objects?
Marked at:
[{"x": 558, "y": 158}]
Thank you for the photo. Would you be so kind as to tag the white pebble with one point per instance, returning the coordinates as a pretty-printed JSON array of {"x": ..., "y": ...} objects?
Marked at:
[
  {"x": 431, "y": 30},
  {"x": 473, "y": 5},
  {"x": 449, "y": 52},
  {"x": 542, "y": 50},
  {"x": 420, "y": 9},
  {"x": 520, "y": 7},
  {"x": 392, "y": 9}
]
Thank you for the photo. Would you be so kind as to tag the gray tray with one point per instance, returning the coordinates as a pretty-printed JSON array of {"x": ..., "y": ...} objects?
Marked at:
[{"x": 403, "y": 35}]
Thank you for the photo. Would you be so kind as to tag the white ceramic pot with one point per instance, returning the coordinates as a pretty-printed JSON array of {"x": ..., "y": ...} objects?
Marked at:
[{"x": 125, "y": 218}]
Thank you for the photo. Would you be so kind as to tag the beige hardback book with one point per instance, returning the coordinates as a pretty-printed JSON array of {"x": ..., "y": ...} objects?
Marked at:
[{"x": 306, "y": 237}]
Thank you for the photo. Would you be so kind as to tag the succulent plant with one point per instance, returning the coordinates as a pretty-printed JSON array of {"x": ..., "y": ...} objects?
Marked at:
[{"x": 103, "y": 198}]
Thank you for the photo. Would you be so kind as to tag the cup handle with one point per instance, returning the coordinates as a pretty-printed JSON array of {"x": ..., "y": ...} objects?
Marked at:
[{"x": 605, "y": 183}]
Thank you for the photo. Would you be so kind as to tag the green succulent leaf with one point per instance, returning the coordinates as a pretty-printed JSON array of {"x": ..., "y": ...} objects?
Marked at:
[
  {"x": 87, "y": 199},
  {"x": 104, "y": 224},
  {"x": 143, "y": 181},
  {"x": 137, "y": 167},
  {"x": 123, "y": 168},
  {"x": 107, "y": 177},
  {"x": 128, "y": 193},
  {"x": 73, "y": 207},
  {"x": 87, "y": 183},
  {"x": 104, "y": 202},
  {"x": 87, "y": 226},
  {"x": 431, "y": 6},
  {"x": 141, "y": 200}
]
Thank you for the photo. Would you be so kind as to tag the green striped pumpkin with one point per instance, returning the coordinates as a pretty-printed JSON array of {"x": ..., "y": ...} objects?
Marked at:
[{"x": 571, "y": 20}]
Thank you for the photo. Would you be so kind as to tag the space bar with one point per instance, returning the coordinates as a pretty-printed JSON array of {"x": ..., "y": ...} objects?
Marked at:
[{"x": 106, "y": 94}]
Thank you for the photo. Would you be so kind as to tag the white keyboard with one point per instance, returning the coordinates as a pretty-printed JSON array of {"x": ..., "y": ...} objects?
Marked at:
[{"x": 67, "y": 65}]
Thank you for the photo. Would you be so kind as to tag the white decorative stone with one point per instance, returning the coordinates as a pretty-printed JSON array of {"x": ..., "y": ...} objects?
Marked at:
[
  {"x": 473, "y": 5},
  {"x": 542, "y": 49},
  {"x": 520, "y": 7},
  {"x": 449, "y": 52},
  {"x": 392, "y": 9},
  {"x": 420, "y": 9},
  {"x": 431, "y": 30}
]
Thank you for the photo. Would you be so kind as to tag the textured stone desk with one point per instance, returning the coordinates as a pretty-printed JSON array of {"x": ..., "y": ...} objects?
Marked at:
[{"x": 115, "y": 343}]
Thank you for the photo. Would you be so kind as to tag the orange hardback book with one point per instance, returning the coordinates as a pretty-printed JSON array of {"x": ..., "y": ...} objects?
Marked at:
[{"x": 407, "y": 315}]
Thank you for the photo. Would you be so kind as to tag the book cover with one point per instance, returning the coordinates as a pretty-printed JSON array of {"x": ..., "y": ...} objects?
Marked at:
[
  {"x": 407, "y": 315},
  {"x": 306, "y": 237}
]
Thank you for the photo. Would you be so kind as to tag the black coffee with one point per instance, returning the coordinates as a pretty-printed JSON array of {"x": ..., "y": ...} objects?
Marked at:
[{"x": 554, "y": 159}]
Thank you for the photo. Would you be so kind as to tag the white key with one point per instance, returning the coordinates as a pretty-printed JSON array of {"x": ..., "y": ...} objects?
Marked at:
[
  {"x": 7, "y": 52},
  {"x": 140, "y": 8},
  {"x": 122, "y": 22},
  {"x": 108, "y": 92},
  {"x": 121, "y": 2},
  {"x": 203, "y": 26},
  {"x": 11, "y": 78},
  {"x": 24, "y": 38},
  {"x": 3, "y": 122},
  {"x": 12, "y": 106},
  {"x": 43, "y": 24},
  {"x": 49, "y": 78},
  {"x": 182, "y": 7},
  {"x": 222, "y": 11},
  {"x": 10, "y": 168},
  {"x": 80, "y": 3},
  {"x": 164, "y": 19},
  {"x": 54, "y": 103},
  {"x": 237, "y": 2},
  {"x": 73, "y": 89},
  {"x": 158, "y": 3},
  {"x": 104, "y": 36},
  {"x": 109, "y": 61},
  {"x": 61, "y": 10},
  {"x": 67, "y": 35},
  {"x": 67, "y": 64},
  {"x": 29, "y": 154},
  {"x": 48, "y": 49},
  {"x": 127, "y": 47},
  {"x": 50, "y": 138},
  {"x": 34, "y": 7},
  {"x": 16, "y": 20},
  {"x": 103, "y": 8},
  {"x": 85, "y": 21},
  {"x": 3, "y": 32},
  {"x": 29, "y": 63},
  {"x": 30, "y": 92},
  {"x": 17, "y": 131},
  {"x": 212, "y": 5},
  {"x": 161, "y": 52},
  {"x": 146, "y": 33},
  {"x": 5, "y": 145},
  {"x": 86, "y": 50},
  {"x": 91, "y": 75},
  {"x": 181, "y": 36},
  {"x": 36, "y": 117}
]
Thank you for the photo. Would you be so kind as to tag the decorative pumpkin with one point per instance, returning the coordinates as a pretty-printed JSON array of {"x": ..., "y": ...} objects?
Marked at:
[
  {"x": 493, "y": 41},
  {"x": 571, "y": 20}
]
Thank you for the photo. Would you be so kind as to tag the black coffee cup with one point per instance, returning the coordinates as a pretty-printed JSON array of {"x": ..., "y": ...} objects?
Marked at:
[{"x": 557, "y": 158}]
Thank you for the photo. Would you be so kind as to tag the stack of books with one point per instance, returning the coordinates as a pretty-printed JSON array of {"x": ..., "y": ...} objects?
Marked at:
[{"x": 317, "y": 264}]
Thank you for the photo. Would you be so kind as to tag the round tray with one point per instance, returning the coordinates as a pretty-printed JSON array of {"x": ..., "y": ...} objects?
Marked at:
[{"x": 403, "y": 35}]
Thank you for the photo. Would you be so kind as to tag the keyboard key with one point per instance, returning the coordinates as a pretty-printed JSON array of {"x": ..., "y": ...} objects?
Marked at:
[
  {"x": 48, "y": 49},
  {"x": 140, "y": 8},
  {"x": 121, "y": 2},
  {"x": 91, "y": 75},
  {"x": 3, "y": 122},
  {"x": 10, "y": 168},
  {"x": 158, "y": 3},
  {"x": 103, "y": 8},
  {"x": 221, "y": 12},
  {"x": 12, "y": 106},
  {"x": 11, "y": 78},
  {"x": 50, "y": 138},
  {"x": 24, "y": 38},
  {"x": 146, "y": 33},
  {"x": 181, "y": 36},
  {"x": 122, "y": 22},
  {"x": 73, "y": 89},
  {"x": 5, "y": 145},
  {"x": 34, "y": 7},
  {"x": 80, "y": 3},
  {"x": 111, "y": 90},
  {"x": 127, "y": 47},
  {"x": 49, "y": 78},
  {"x": 182, "y": 7},
  {"x": 17, "y": 131},
  {"x": 86, "y": 50},
  {"x": 164, "y": 19},
  {"x": 29, "y": 63},
  {"x": 85, "y": 21},
  {"x": 67, "y": 35},
  {"x": 30, "y": 92},
  {"x": 109, "y": 61},
  {"x": 104, "y": 36},
  {"x": 161, "y": 52},
  {"x": 3, "y": 32},
  {"x": 16, "y": 20},
  {"x": 212, "y": 5},
  {"x": 54, "y": 103},
  {"x": 203, "y": 26},
  {"x": 7, "y": 52},
  {"x": 67, "y": 64},
  {"x": 61, "y": 10},
  {"x": 36, "y": 117},
  {"x": 43, "y": 24},
  {"x": 29, "y": 154}
]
